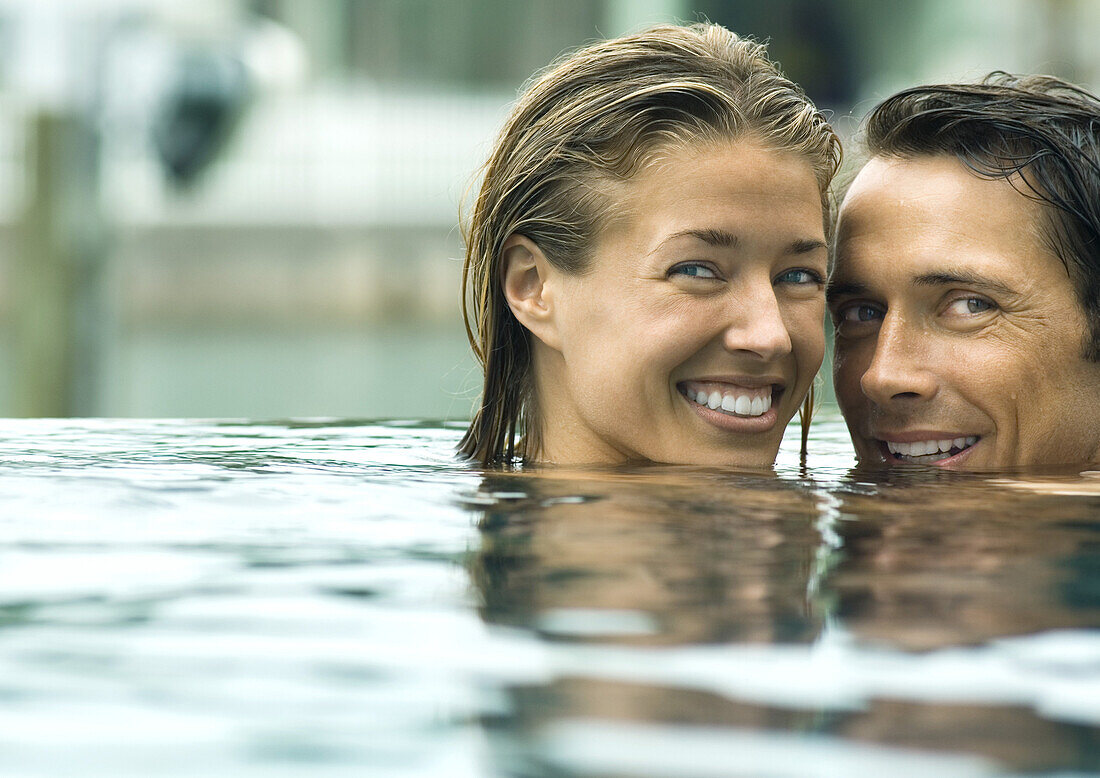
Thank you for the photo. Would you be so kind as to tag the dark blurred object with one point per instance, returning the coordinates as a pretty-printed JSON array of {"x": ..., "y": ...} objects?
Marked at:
[
  {"x": 201, "y": 106},
  {"x": 812, "y": 41}
]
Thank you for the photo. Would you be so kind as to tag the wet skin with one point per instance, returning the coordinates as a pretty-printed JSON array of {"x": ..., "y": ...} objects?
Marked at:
[
  {"x": 956, "y": 323},
  {"x": 706, "y": 284}
]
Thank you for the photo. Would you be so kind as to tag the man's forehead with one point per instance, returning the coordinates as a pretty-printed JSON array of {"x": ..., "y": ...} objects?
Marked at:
[
  {"x": 910, "y": 181},
  {"x": 920, "y": 185},
  {"x": 872, "y": 173},
  {"x": 930, "y": 205}
]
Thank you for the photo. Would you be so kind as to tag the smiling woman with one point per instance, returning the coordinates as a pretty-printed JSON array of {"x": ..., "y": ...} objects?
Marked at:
[{"x": 645, "y": 261}]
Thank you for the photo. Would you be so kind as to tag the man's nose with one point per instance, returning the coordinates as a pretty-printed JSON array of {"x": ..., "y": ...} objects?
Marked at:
[
  {"x": 756, "y": 324},
  {"x": 900, "y": 367}
]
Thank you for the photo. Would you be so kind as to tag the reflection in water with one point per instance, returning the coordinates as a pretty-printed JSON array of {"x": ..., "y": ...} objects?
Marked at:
[
  {"x": 948, "y": 562},
  {"x": 933, "y": 561},
  {"x": 911, "y": 562},
  {"x": 643, "y": 558},
  {"x": 343, "y": 599},
  {"x": 677, "y": 559}
]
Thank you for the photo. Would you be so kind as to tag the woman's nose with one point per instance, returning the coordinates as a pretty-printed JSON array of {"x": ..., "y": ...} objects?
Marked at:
[{"x": 756, "y": 325}]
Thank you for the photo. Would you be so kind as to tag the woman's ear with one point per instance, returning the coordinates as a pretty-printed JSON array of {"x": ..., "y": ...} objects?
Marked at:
[{"x": 525, "y": 275}]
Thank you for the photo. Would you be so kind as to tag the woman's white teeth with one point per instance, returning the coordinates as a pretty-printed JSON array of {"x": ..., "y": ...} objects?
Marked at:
[
  {"x": 923, "y": 448},
  {"x": 741, "y": 404}
]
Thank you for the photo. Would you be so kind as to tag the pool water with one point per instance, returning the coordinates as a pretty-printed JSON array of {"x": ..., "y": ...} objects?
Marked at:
[{"x": 332, "y": 598}]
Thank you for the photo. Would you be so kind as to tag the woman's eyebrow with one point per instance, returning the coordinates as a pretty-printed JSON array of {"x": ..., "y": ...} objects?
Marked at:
[
  {"x": 806, "y": 245},
  {"x": 714, "y": 237}
]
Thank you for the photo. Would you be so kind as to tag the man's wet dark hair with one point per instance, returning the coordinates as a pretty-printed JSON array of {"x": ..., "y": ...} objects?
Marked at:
[{"x": 1040, "y": 127}]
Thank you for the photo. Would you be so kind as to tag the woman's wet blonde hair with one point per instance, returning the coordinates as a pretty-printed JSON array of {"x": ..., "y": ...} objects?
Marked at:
[{"x": 592, "y": 120}]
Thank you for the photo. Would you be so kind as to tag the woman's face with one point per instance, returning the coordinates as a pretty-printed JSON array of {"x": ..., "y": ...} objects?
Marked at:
[{"x": 697, "y": 329}]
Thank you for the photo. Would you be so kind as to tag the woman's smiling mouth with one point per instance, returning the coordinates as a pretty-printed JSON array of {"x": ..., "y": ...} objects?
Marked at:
[{"x": 733, "y": 406}]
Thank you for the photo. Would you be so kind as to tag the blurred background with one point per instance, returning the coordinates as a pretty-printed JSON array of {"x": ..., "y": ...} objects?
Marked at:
[{"x": 249, "y": 208}]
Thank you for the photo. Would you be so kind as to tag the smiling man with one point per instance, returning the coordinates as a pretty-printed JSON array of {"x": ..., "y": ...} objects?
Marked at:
[{"x": 966, "y": 286}]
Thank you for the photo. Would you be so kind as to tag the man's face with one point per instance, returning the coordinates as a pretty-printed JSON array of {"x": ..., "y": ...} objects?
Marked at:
[{"x": 960, "y": 339}]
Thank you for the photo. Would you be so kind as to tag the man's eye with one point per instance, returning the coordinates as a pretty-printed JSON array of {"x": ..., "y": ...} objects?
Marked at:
[
  {"x": 800, "y": 276},
  {"x": 693, "y": 270},
  {"x": 969, "y": 306},
  {"x": 856, "y": 320},
  {"x": 860, "y": 314}
]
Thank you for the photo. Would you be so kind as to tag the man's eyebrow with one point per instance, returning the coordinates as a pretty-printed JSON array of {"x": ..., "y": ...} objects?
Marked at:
[
  {"x": 843, "y": 289},
  {"x": 963, "y": 278},
  {"x": 836, "y": 290}
]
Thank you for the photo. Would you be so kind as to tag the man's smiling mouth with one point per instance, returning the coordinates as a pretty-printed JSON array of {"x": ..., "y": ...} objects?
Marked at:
[{"x": 928, "y": 451}]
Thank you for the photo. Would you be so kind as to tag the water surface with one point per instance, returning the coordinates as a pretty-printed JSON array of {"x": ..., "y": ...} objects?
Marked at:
[{"x": 344, "y": 598}]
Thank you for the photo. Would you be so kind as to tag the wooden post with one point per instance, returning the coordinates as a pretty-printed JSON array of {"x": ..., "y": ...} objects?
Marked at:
[{"x": 56, "y": 273}]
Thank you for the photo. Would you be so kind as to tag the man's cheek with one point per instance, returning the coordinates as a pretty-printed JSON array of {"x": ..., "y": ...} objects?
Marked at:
[{"x": 848, "y": 369}]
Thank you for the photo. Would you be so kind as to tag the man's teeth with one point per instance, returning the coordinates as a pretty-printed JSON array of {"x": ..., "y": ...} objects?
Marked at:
[
  {"x": 740, "y": 404},
  {"x": 923, "y": 448}
]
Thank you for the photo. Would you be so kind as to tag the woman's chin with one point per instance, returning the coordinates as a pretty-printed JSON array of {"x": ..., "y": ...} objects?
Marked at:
[{"x": 755, "y": 451}]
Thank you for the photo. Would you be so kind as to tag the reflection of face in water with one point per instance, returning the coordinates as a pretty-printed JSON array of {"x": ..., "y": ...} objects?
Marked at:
[
  {"x": 935, "y": 559},
  {"x": 649, "y": 558},
  {"x": 926, "y": 561},
  {"x": 655, "y": 557}
]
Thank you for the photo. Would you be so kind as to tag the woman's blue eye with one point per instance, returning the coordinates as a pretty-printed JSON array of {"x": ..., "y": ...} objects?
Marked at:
[
  {"x": 799, "y": 276},
  {"x": 693, "y": 270}
]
